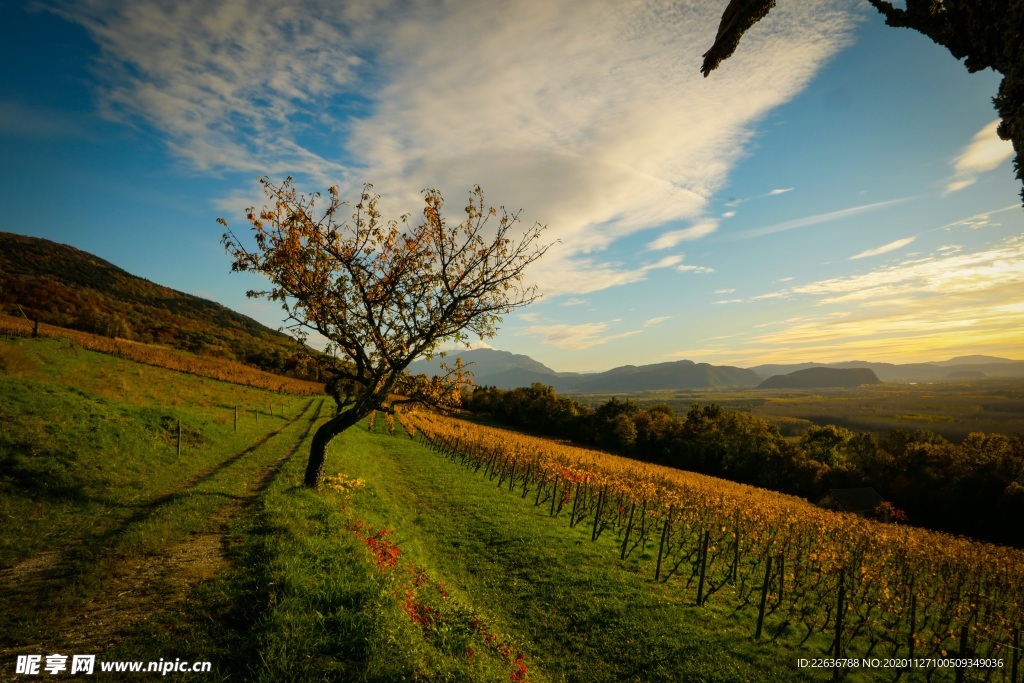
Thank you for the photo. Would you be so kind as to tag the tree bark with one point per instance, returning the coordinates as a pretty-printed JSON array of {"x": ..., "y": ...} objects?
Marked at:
[{"x": 322, "y": 437}]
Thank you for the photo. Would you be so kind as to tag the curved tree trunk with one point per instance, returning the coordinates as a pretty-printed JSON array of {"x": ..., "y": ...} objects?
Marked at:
[{"x": 322, "y": 437}]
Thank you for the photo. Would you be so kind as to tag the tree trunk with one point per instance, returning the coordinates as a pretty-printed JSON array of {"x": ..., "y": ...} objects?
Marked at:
[{"x": 322, "y": 437}]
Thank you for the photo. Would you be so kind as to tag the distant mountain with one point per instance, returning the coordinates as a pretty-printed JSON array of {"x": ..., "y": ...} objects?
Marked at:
[
  {"x": 508, "y": 371},
  {"x": 950, "y": 370},
  {"x": 822, "y": 378},
  {"x": 682, "y": 374},
  {"x": 61, "y": 285},
  {"x": 974, "y": 360},
  {"x": 490, "y": 367}
]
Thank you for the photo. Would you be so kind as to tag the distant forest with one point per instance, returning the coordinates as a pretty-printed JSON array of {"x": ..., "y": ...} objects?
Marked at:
[{"x": 975, "y": 487}]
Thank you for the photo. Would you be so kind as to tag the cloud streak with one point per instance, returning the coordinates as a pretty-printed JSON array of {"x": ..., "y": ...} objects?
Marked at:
[
  {"x": 816, "y": 219},
  {"x": 884, "y": 249},
  {"x": 947, "y": 303},
  {"x": 985, "y": 152},
  {"x": 592, "y": 116}
]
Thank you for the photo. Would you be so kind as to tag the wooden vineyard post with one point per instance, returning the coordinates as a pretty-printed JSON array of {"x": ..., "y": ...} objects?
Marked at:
[
  {"x": 643, "y": 530},
  {"x": 782, "y": 577},
  {"x": 912, "y": 638},
  {"x": 256, "y": 412},
  {"x": 962, "y": 654},
  {"x": 703, "y": 567},
  {"x": 764, "y": 596},
  {"x": 575, "y": 504},
  {"x": 597, "y": 516},
  {"x": 1015, "y": 665},
  {"x": 540, "y": 489},
  {"x": 661, "y": 547},
  {"x": 236, "y": 418},
  {"x": 179, "y": 438},
  {"x": 734, "y": 573},
  {"x": 629, "y": 528},
  {"x": 840, "y": 608}
]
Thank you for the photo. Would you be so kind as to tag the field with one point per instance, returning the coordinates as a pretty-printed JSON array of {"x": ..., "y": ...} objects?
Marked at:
[
  {"x": 411, "y": 564},
  {"x": 951, "y": 409}
]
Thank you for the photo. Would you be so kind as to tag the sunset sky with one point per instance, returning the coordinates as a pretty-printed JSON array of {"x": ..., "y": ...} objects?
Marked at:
[{"x": 835, "y": 191}]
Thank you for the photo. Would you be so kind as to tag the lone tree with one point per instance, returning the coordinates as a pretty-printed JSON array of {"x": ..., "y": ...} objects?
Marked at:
[
  {"x": 986, "y": 34},
  {"x": 383, "y": 293}
]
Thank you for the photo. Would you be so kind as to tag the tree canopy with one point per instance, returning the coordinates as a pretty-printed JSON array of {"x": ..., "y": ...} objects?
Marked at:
[
  {"x": 986, "y": 34},
  {"x": 383, "y": 293}
]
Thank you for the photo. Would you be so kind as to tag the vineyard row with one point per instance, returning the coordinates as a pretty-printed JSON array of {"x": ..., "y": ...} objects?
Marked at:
[{"x": 867, "y": 588}]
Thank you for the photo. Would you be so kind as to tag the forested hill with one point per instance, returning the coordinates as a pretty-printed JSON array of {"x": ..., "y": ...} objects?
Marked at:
[
  {"x": 61, "y": 285},
  {"x": 508, "y": 371},
  {"x": 818, "y": 378}
]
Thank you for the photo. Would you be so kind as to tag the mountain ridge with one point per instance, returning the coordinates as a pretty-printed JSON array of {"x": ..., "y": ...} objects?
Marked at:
[{"x": 671, "y": 375}]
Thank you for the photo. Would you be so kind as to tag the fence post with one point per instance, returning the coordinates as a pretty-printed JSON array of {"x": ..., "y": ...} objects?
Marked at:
[
  {"x": 179, "y": 437},
  {"x": 597, "y": 515},
  {"x": 629, "y": 528},
  {"x": 764, "y": 596},
  {"x": 1016, "y": 655},
  {"x": 703, "y": 567},
  {"x": 236, "y": 418},
  {"x": 782, "y": 577},
  {"x": 840, "y": 608},
  {"x": 962, "y": 654},
  {"x": 734, "y": 572},
  {"x": 661, "y": 547},
  {"x": 912, "y": 638}
]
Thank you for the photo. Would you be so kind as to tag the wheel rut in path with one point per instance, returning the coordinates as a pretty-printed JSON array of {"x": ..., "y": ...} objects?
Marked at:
[{"x": 143, "y": 586}]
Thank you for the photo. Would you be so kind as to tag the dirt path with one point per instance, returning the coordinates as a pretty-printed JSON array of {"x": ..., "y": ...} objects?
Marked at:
[{"x": 141, "y": 586}]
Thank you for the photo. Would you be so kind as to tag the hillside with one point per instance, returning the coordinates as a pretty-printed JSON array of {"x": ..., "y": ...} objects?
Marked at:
[
  {"x": 411, "y": 564},
  {"x": 64, "y": 286},
  {"x": 948, "y": 370},
  {"x": 821, "y": 378},
  {"x": 508, "y": 371}
]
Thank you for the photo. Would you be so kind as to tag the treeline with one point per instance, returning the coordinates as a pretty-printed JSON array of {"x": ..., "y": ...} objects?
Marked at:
[{"x": 975, "y": 487}]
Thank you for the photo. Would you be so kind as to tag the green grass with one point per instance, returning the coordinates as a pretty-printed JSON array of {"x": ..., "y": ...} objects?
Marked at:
[
  {"x": 88, "y": 440},
  {"x": 573, "y": 610},
  {"x": 92, "y": 471}
]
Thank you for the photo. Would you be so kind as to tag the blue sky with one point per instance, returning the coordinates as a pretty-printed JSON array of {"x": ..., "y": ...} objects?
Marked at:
[{"x": 834, "y": 191}]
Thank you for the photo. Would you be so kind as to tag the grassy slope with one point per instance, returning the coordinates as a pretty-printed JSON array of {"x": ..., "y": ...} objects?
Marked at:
[
  {"x": 568, "y": 605},
  {"x": 90, "y": 470}
]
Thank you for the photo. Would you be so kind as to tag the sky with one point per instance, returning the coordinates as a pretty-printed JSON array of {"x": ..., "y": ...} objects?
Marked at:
[{"x": 834, "y": 191}]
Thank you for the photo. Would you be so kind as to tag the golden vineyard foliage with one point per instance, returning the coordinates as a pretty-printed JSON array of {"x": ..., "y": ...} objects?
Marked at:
[
  {"x": 149, "y": 354},
  {"x": 900, "y": 584}
]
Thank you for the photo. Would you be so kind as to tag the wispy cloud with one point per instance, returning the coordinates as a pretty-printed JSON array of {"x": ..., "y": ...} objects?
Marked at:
[
  {"x": 949, "y": 302},
  {"x": 817, "y": 219},
  {"x": 577, "y": 337},
  {"x": 884, "y": 249},
  {"x": 985, "y": 152},
  {"x": 736, "y": 201},
  {"x": 651, "y": 322},
  {"x": 980, "y": 220},
  {"x": 694, "y": 269},
  {"x": 590, "y": 115},
  {"x": 694, "y": 232}
]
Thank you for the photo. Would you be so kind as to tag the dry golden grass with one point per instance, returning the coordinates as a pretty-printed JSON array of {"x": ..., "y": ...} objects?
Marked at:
[{"x": 159, "y": 356}]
